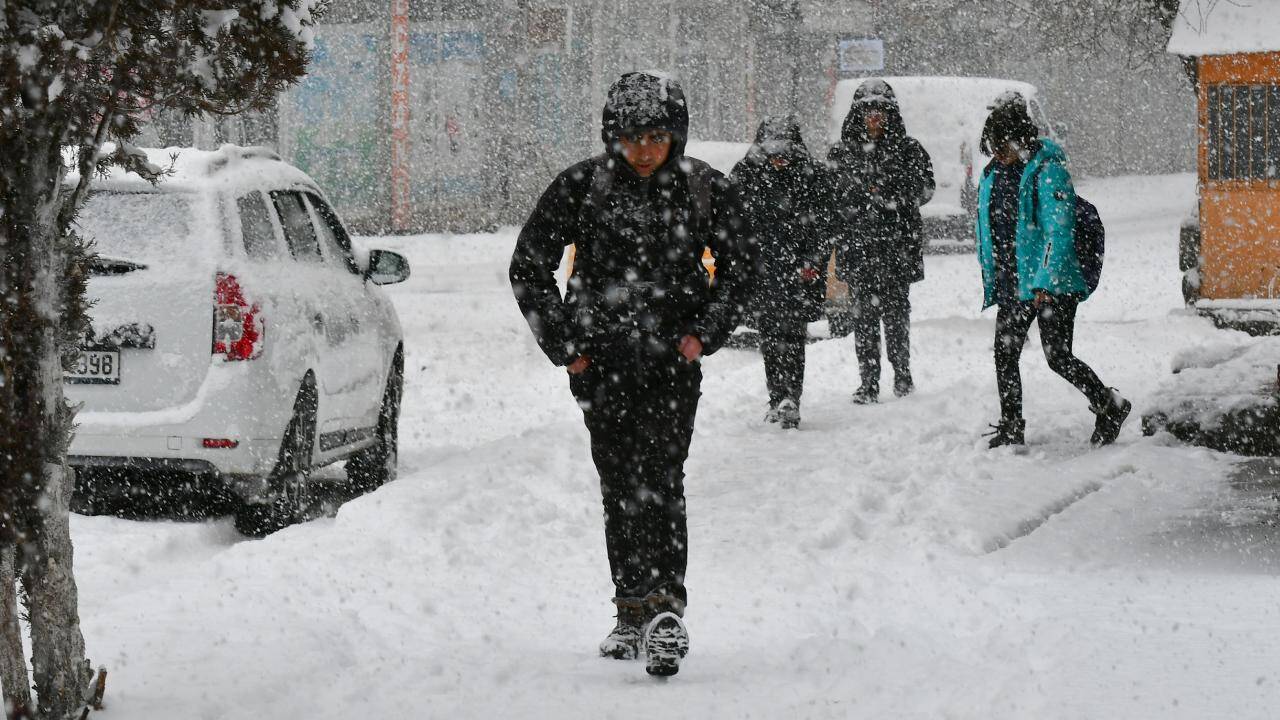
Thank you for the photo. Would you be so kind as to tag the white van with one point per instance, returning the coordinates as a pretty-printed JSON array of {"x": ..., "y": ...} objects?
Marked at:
[
  {"x": 235, "y": 334},
  {"x": 946, "y": 115}
]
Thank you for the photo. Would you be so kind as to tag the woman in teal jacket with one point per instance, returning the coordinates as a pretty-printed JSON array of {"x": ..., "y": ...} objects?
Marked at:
[{"x": 1026, "y": 247}]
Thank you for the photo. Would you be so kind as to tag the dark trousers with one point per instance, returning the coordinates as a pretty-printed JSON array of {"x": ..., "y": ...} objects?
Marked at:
[
  {"x": 640, "y": 416},
  {"x": 1057, "y": 333},
  {"x": 872, "y": 307},
  {"x": 782, "y": 346}
]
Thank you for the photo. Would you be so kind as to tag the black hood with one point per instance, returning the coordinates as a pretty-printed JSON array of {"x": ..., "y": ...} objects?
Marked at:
[
  {"x": 874, "y": 94},
  {"x": 781, "y": 136},
  {"x": 646, "y": 101}
]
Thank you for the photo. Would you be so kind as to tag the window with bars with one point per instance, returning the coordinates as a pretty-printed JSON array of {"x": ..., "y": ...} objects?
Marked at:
[{"x": 1244, "y": 132}]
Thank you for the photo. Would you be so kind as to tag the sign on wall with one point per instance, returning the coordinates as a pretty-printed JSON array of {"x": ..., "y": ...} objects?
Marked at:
[{"x": 856, "y": 55}]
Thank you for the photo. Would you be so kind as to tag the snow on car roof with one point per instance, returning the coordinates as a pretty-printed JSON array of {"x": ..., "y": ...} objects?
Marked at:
[
  {"x": 927, "y": 100},
  {"x": 721, "y": 155},
  {"x": 192, "y": 170},
  {"x": 1209, "y": 28}
]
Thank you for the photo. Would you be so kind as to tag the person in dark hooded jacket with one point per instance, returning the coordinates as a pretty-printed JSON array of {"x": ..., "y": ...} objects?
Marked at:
[
  {"x": 785, "y": 192},
  {"x": 639, "y": 313},
  {"x": 883, "y": 176}
]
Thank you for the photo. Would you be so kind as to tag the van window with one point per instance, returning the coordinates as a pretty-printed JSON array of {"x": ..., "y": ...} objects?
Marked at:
[
  {"x": 255, "y": 226},
  {"x": 1037, "y": 116},
  {"x": 333, "y": 237},
  {"x": 298, "y": 230}
]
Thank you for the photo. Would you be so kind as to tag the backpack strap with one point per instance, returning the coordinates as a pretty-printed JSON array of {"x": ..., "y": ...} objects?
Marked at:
[
  {"x": 601, "y": 182},
  {"x": 700, "y": 195}
]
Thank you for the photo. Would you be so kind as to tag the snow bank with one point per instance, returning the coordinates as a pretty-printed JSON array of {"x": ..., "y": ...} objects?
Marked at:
[{"x": 1213, "y": 381}]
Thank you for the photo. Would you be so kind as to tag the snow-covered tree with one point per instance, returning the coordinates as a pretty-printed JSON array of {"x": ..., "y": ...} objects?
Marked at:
[{"x": 80, "y": 78}]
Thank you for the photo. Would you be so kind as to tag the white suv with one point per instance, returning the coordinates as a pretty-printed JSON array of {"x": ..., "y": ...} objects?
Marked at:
[{"x": 236, "y": 334}]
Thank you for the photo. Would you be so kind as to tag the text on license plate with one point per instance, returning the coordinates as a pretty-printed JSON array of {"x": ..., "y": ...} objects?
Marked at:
[{"x": 95, "y": 366}]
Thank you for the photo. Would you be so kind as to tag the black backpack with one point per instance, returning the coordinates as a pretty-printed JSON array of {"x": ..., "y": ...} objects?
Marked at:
[
  {"x": 1091, "y": 242},
  {"x": 1090, "y": 238}
]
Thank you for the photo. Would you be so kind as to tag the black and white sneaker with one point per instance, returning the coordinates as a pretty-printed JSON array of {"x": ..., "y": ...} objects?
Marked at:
[
  {"x": 666, "y": 642},
  {"x": 789, "y": 414}
]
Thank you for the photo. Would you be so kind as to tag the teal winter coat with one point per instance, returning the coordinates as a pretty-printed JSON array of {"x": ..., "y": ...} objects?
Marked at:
[{"x": 1045, "y": 243}]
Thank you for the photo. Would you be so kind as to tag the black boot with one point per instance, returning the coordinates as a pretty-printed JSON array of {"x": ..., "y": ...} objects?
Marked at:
[
  {"x": 1106, "y": 428},
  {"x": 903, "y": 386},
  {"x": 1007, "y": 432},
  {"x": 867, "y": 394},
  {"x": 625, "y": 640}
]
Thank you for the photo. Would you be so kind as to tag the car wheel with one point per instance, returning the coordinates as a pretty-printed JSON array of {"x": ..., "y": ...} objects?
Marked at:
[
  {"x": 290, "y": 480},
  {"x": 377, "y": 464}
]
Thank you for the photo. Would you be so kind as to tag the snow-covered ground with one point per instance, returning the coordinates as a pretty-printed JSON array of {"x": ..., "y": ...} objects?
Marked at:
[{"x": 878, "y": 563}]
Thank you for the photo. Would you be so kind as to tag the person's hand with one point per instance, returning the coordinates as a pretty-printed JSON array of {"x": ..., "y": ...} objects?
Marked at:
[
  {"x": 1042, "y": 298},
  {"x": 690, "y": 347},
  {"x": 808, "y": 274},
  {"x": 579, "y": 366}
]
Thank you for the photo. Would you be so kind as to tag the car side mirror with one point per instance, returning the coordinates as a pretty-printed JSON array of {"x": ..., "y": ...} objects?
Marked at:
[{"x": 386, "y": 268}]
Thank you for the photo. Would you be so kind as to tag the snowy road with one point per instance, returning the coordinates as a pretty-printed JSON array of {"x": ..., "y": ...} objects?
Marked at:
[{"x": 878, "y": 563}]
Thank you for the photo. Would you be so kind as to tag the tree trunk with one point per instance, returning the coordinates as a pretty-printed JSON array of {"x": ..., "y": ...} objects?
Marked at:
[
  {"x": 35, "y": 424},
  {"x": 62, "y": 673},
  {"x": 13, "y": 662}
]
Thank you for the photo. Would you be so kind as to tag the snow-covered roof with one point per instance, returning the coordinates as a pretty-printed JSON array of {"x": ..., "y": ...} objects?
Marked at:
[
  {"x": 1223, "y": 27},
  {"x": 201, "y": 170}
]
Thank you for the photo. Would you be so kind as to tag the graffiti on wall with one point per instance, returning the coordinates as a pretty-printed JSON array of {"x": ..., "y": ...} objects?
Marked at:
[{"x": 332, "y": 122}]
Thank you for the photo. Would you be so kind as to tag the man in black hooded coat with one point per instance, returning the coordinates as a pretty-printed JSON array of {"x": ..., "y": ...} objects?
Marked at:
[
  {"x": 786, "y": 195},
  {"x": 883, "y": 176},
  {"x": 639, "y": 312}
]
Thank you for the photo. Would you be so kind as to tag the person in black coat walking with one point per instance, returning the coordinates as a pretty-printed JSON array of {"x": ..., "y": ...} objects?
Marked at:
[
  {"x": 785, "y": 194},
  {"x": 883, "y": 176},
  {"x": 639, "y": 313}
]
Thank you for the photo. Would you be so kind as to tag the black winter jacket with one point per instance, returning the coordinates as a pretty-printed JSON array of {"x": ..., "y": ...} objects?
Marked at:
[
  {"x": 788, "y": 211},
  {"x": 880, "y": 187},
  {"x": 638, "y": 278}
]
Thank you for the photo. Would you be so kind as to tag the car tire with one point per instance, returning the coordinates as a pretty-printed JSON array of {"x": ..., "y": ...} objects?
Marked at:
[
  {"x": 289, "y": 497},
  {"x": 376, "y": 465}
]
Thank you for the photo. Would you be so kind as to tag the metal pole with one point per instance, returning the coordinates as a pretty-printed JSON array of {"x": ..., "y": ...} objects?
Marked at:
[{"x": 401, "y": 203}]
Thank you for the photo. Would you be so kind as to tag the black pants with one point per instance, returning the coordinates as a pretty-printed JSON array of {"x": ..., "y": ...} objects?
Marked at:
[
  {"x": 640, "y": 415},
  {"x": 892, "y": 307},
  {"x": 1057, "y": 333},
  {"x": 782, "y": 345}
]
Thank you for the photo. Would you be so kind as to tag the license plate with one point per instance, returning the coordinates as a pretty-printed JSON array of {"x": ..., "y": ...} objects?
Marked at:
[{"x": 99, "y": 367}]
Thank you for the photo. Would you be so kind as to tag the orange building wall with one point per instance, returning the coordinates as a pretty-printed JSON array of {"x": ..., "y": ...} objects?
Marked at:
[{"x": 1239, "y": 219}]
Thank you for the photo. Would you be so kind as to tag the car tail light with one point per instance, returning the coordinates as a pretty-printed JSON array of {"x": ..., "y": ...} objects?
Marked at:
[
  {"x": 237, "y": 327},
  {"x": 220, "y": 443}
]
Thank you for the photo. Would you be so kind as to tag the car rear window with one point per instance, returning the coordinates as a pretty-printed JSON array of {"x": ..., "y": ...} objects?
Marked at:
[{"x": 138, "y": 226}]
